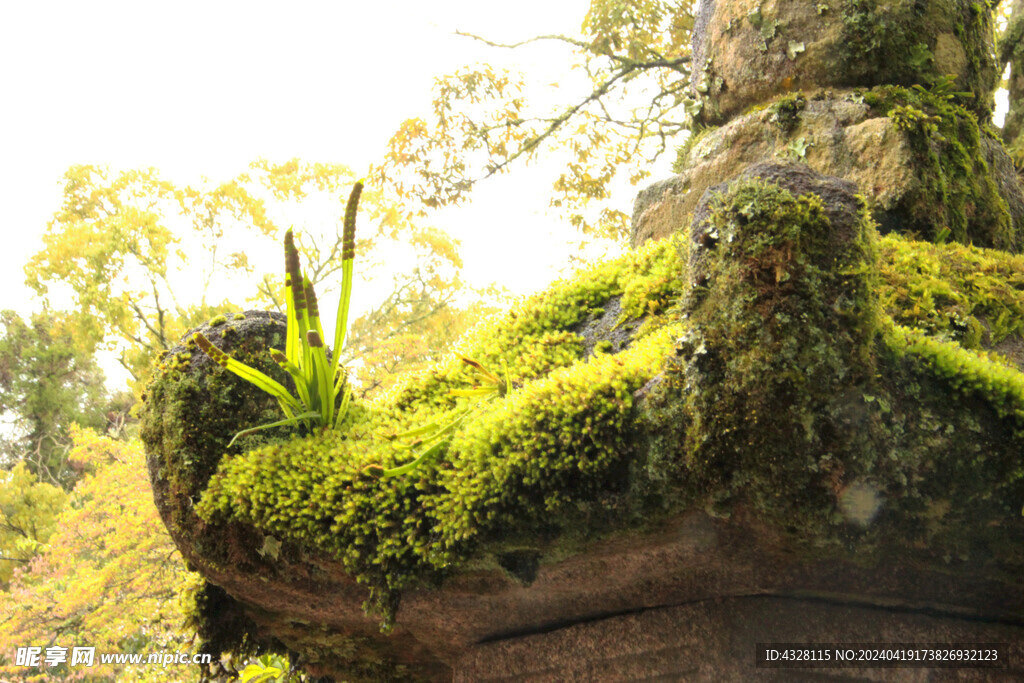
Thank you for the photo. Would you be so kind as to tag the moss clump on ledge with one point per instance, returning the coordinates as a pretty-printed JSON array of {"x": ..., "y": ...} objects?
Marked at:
[
  {"x": 783, "y": 322},
  {"x": 557, "y": 439},
  {"x": 794, "y": 392},
  {"x": 969, "y": 295},
  {"x": 959, "y": 194},
  {"x": 767, "y": 377}
]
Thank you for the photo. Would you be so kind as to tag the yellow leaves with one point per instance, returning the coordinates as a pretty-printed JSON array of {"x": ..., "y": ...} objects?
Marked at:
[
  {"x": 240, "y": 261},
  {"x": 28, "y": 514},
  {"x": 438, "y": 243},
  {"x": 477, "y": 116},
  {"x": 137, "y": 253},
  {"x": 110, "y": 573},
  {"x": 635, "y": 54},
  {"x": 639, "y": 29}
]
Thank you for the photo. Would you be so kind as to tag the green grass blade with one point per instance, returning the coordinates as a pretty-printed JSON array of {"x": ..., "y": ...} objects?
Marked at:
[
  {"x": 280, "y": 423},
  {"x": 346, "y": 399},
  {"x": 251, "y": 375},
  {"x": 322, "y": 371},
  {"x": 410, "y": 466},
  {"x": 291, "y": 269},
  {"x": 439, "y": 439},
  {"x": 296, "y": 374},
  {"x": 479, "y": 369},
  {"x": 341, "y": 324},
  {"x": 285, "y": 408},
  {"x": 435, "y": 426},
  {"x": 348, "y": 254}
]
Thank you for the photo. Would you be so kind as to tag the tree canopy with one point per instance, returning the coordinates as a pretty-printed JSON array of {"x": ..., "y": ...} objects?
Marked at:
[
  {"x": 109, "y": 575},
  {"x": 48, "y": 382},
  {"x": 635, "y": 55}
]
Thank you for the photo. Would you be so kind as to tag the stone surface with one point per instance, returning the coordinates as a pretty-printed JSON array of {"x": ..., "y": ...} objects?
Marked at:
[
  {"x": 838, "y": 196},
  {"x": 716, "y": 640},
  {"x": 748, "y": 51},
  {"x": 836, "y": 135},
  {"x": 714, "y": 564},
  {"x": 205, "y": 408}
]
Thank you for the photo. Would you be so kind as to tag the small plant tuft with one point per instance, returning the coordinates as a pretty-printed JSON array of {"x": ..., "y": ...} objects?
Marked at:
[{"x": 319, "y": 382}]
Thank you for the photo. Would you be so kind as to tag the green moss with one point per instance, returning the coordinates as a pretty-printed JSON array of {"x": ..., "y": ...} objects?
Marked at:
[
  {"x": 786, "y": 320},
  {"x": 967, "y": 372},
  {"x": 790, "y": 390},
  {"x": 509, "y": 470},
  {"x": 959, "y": 193},
  {"x": 882, "y": 43},
  {"x": 558, "y": 438},
  {"x": 785, "y": 111},
  {"x": 191, "y": 410},
  {"x": 218, "y": 320},
  {"x": 970, "y": 295},
  {"x": 913, "y": 120}
]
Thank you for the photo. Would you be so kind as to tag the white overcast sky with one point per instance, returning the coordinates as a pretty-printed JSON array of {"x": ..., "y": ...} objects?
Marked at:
[{"x": 202, "y": 88}]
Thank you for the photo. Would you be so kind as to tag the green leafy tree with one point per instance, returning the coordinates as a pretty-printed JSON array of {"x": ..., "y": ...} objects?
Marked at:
[
  {"x": 28, "y": 516},
  {"x": 636, "y": 58},
  {"x": 48, "y": 381}
]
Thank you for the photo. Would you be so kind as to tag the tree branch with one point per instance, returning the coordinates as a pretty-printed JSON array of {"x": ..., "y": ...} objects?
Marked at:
[{"x": 536, "y": 39}]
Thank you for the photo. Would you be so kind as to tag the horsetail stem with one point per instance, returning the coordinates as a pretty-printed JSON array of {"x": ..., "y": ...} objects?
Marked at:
[
  {"x": 293, "y": 273},
  {"x": 348, "y": 253},
  {"x": 348, "y": 235},
  {"x": 215, "y": 354},
  {"x": 312, "y": 305},
  {"x": 318, "y": 381}
]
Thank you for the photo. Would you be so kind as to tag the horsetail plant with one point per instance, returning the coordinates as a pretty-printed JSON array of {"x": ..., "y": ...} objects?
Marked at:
[{"x": 318, "y": 381}]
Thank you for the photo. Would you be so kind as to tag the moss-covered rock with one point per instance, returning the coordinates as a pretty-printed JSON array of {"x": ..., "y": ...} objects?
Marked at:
[
  {"x": 798, "y": 394},
  {"x": 752, "y": 372},
  {"x": 512, "y": 465},
  {"x": 749, "y": 51},
  {"x": 783, "y": 322},
  {"x": 926, "y": 166},
  {"x": 192, "y": 410}
]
